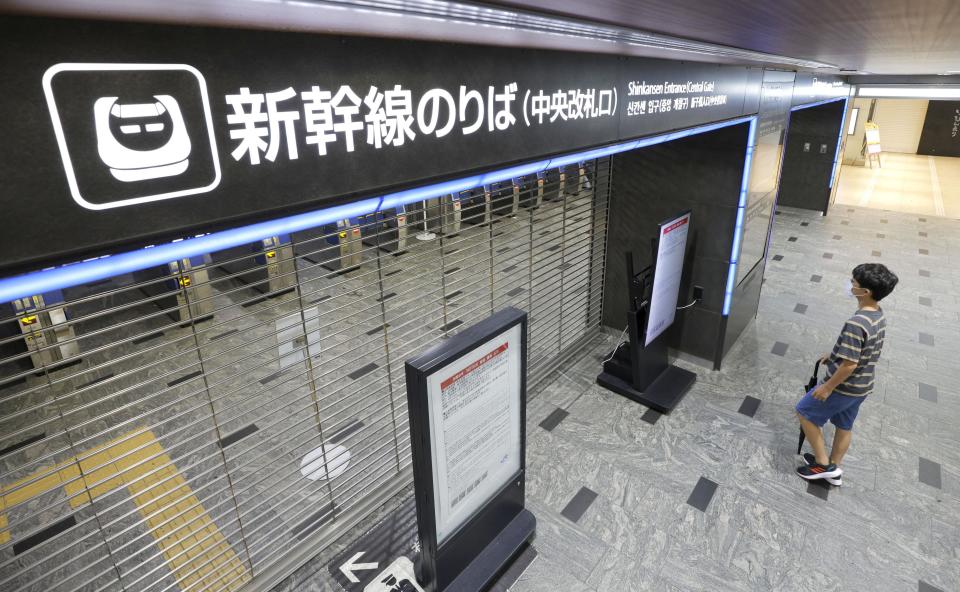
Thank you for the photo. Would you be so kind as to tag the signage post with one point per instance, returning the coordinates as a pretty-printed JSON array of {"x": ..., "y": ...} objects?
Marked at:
[
  {"x": 640, "y": 369},
  {"x": 467, "y": 402},
  {"x": 871, "y": 141}
]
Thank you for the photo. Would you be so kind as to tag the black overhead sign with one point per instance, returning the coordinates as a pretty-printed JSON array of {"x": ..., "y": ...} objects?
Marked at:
[
  {"x": 941, "y": 129},
  {"x": 121, "y": 134},
  {"x": 810, "y": 88}
]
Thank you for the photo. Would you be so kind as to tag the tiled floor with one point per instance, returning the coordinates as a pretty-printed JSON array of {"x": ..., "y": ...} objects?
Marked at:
[
  {"x": 904, "y": 183},
  {"x": 705, "y": 499},
  {"x": 895, "y": 522}
]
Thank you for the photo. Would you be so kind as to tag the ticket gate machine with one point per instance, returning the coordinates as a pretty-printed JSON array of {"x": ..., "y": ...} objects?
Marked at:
[
  {"x": 43, "y": 320},
  {"x": 390, "y": 229},
  {"x": 450, "y": 214},
  {"x": 185, "y": 294},
  {"x": 337, "y": 247},
  {"x": 531, "y": 190},
  {"x": 349, "y": 244},
  {"x": 278, "y": 259},
  {"x": 553, "y": 182},
  {"x": 266, "y": 265},
  {"x": 585, "y": 172},
  {"x": 582, "y": 181},
  {"x": 475, "y": 205},
  {"x": 505, "y": 197}
]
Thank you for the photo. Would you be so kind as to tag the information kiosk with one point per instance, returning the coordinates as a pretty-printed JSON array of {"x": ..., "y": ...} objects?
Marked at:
[
  {"x": 467, "y": 401},
  {"x": 639, "y": 369}
]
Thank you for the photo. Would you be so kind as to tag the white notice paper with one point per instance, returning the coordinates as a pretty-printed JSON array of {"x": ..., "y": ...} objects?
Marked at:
[
  {"x": 474, "y": 428},
  {"x": 666, "y": 277}
]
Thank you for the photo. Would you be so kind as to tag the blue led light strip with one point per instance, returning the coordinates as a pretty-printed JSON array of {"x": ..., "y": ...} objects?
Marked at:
[
  {"x": 843, "y": 130},
  {"x": 93, "y": 270},
  {"x": 818, "y": 103},
  {"x": 741, "y": 213}
]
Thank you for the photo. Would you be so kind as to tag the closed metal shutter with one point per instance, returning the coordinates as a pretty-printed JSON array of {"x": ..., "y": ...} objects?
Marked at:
[
  {"x": 190, "y": 426},
  {"x": 900, "y": 121}
]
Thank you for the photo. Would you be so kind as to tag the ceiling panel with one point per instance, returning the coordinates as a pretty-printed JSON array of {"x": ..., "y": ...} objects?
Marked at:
[{"x": 878, "y": 36}]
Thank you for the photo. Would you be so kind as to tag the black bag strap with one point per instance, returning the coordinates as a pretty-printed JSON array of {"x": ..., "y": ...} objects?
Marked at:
[
  {"x": 815, "y": 378},
  {"x": 813, "y": 382}
]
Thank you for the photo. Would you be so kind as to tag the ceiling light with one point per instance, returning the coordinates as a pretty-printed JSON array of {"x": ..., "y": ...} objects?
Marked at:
[{"x": 909, "y": 92}]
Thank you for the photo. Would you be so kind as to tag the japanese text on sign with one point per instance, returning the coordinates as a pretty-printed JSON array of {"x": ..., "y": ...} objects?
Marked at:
[
  {"x": 696, "y": 95},
  {"x": 475, "y": 428},
  {"x": 264, "y": 124}
]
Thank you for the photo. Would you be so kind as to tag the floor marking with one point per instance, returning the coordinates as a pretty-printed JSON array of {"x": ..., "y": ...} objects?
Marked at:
[
  {"x": 4, "y": 533},
  {"x": 702, "y": 494},
  {"x": 937, "y": 192},
  {"x": 238, "y": 435},
  {"x": 579, "y": 504},
  {"x": 23, "y": 443},
  {"x": 554, "y": 419},
  {"x": 194, "y": 549}
]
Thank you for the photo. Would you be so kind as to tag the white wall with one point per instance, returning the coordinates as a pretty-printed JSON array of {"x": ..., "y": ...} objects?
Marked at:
[{"x": 851, "y": 153}]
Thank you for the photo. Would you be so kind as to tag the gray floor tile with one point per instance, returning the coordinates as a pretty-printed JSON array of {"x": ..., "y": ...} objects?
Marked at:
[
  {"x": 579, "y": 504},
  {"x": 930, "y": 473},
  {"x": 779, "y": 348},
  {"x": 928, "y": 392}
]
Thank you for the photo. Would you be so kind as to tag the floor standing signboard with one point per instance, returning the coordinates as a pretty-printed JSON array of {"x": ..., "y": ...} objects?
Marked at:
[{"x": 467, "y": 400}]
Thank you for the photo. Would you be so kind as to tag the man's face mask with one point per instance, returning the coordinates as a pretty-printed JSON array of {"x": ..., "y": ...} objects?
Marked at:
[{"x": 854, "y": 292}]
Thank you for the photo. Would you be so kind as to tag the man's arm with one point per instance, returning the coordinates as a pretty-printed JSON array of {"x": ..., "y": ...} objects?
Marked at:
[{"x": 843, "y": 372}]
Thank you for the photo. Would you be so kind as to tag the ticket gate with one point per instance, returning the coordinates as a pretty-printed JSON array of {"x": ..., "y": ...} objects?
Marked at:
[
  {"x": 13, "y": 348},
  {"x": 390, "y": 229},
  {"x": 586, "y": 173},
  {"x": 572, "y": 176},
  {"x": 337, "y": 247},
  {"x": 181, "y": 288},
  {"x": 475, "y": 205},
  {"x": 349, "y": 246},
  {"x": 505, "y": 197},
  {"x": 553, "y": 182},
  {"x": 530, "y": 191},
  {"x": 43, "y": 321},
  {"x": 578, "y": 179},
  {"x": 450, "y": 214},
  {"x": 266, "y": 265}
]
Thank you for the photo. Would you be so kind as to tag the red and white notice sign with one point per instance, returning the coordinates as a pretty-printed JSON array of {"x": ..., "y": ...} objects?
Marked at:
[{"x": 474, "y": 428}]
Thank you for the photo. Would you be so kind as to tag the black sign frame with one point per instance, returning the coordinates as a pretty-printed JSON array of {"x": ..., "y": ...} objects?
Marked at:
[
  {"x": 226, "y": 189},
  {"x": 469, "y": 546}
]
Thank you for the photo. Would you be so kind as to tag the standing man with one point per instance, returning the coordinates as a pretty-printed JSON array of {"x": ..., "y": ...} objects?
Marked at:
[{"x": 850, "y": 374}]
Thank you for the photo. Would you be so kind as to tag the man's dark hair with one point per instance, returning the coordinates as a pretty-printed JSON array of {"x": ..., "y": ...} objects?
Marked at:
[{"x": 876, "y": 278}]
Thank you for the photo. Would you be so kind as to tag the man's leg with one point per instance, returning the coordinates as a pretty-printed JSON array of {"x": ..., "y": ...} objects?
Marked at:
[
  {"x": 815, "y": 437},
  {"x": 841, "y": 442}
]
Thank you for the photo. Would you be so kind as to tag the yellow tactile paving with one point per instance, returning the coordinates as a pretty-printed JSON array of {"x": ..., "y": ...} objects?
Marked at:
[
  {"x": 4, "y": 533},
  {"x": 195, "y": 550}
]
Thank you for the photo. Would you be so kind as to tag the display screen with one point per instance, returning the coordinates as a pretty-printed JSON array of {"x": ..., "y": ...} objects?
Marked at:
[
  {"x": 474, "y": 406},
  {"x": 671, "y": 248}
]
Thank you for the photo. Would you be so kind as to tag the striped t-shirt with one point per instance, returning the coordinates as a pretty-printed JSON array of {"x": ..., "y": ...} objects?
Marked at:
[{"x": 860, "y": 341}]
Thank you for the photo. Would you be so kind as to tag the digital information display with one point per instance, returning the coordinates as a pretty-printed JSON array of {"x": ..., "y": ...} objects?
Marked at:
[
  {"x": 671, "y": 249},
  {"x": 474, "y": 409}
]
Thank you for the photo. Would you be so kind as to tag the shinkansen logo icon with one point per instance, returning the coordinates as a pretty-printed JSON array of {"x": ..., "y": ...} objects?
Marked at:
[
  {"x": 168, "y": 144},
  {"x": 132, "y": 133}
]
